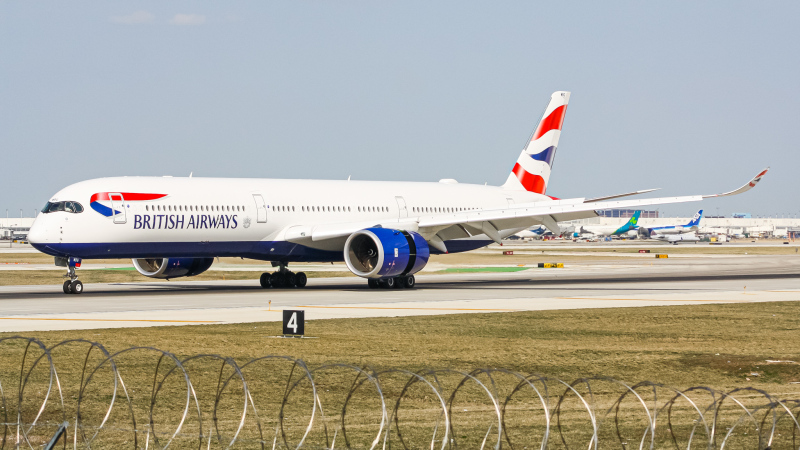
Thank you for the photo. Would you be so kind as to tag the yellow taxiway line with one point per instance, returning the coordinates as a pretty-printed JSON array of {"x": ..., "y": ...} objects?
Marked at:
[
  {"x": 412, "y": 309},
  {"x": 109, "y": 320},
  {"x": 649, "y": 299}
]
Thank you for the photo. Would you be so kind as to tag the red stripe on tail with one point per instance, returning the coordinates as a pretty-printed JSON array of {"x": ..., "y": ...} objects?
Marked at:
[
  {"x": 551, "y": 122},
  {"x": 531, "y": 182}
]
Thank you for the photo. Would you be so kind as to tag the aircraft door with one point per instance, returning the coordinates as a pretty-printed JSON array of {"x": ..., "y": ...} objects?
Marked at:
[
  {"x": 118, "y": 207},
  {"x": 401, "y": 207},
  {"x": 261, "y": 208}
]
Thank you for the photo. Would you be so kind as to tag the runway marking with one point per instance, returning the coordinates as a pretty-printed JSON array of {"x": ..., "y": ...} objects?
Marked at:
[
  {"x": 646, "y": 299},
  {"x": 413, "y": 309},
  {"x": 793, "y": 292},
  {"x": 110, "y": 320}
]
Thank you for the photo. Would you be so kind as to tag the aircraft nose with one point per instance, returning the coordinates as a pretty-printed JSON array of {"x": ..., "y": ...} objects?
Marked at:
[{"x": 38, "y": 232}]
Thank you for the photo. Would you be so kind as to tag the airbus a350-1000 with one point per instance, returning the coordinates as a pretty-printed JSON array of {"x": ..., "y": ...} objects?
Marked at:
[{"x": 384, "y": 231}]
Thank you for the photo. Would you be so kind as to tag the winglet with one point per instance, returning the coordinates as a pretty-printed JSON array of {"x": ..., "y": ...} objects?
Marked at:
[{"x": 750, "y": 185}]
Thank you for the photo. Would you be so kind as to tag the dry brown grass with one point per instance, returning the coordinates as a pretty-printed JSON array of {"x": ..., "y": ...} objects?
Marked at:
[{"x": 681, "y": 346}]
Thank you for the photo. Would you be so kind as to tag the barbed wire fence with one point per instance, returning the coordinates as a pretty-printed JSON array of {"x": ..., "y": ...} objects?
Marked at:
[{"x": 76, "y": 394}]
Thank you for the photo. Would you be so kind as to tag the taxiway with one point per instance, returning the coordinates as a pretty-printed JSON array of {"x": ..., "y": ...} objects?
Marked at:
[{"x": 678, "y": 281}]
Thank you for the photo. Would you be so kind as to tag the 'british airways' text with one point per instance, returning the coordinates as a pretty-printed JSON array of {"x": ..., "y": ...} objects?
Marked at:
[{"x": 180, "y": 222}]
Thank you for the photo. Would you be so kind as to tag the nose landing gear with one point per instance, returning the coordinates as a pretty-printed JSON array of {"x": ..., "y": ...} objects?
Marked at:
[{"x": 73, "y": 285}]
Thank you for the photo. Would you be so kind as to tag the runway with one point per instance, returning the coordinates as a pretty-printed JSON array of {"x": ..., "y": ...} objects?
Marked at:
[{"x": 685, "y": 281}]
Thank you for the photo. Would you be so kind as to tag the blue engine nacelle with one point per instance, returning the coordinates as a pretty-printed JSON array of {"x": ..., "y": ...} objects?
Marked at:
[
  {"x": 172, "y": 267},
  {"x": 385, "y": 253}
]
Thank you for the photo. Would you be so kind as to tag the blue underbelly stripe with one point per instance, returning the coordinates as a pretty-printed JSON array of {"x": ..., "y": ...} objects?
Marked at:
[{"x": 260, "y": 250}]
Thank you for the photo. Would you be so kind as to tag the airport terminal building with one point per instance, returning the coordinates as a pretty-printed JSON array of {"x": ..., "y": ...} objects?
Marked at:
[{"x": 12, "y": 228}]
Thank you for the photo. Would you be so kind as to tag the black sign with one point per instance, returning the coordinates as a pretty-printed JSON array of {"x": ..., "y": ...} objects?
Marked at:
[{"x": 294, "y": 322}]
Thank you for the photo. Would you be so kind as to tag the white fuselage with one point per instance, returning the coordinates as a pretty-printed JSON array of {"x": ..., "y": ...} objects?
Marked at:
[
  {"x": 677, "y": 229},
  {"x": 196, "y": 217}
]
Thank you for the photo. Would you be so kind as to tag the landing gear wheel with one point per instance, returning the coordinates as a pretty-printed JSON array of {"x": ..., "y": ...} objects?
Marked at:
[
  {"x": 409, "y": 282},
  {"x": 265, "y": 280},
  {"x": 389, "y": 283},
  {"x": 399, "y": 283},
  {"x": 66, "y": 287},
  {"x": 278, "y": 280},
  {"x": 373, "y": 283},
  {"x": 291, "y": 280},
  {"x": 76, "y": 287},
  {"x": 302, "y": 279}
]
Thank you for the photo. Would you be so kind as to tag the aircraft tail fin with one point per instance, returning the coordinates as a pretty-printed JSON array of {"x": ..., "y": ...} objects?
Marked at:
[
  {"x": 634, "y": 220},
  {"x": 630, "y": 225},
  {"x": 532, "y": 170},
  {"x": 696, "y": 219}
]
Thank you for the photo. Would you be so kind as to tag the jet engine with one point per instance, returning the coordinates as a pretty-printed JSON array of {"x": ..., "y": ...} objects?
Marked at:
[
  {"x": 385, "y": 253},
  {"x": 645, "y": 233},
  {"x": 172, "y": 267}
]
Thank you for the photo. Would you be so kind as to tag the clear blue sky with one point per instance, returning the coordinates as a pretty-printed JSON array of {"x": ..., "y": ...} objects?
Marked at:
[{"x": 692, "y": 97}]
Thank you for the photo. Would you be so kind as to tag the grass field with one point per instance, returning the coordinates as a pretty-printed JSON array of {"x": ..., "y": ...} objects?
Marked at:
[{"x": 722, "y": 346}]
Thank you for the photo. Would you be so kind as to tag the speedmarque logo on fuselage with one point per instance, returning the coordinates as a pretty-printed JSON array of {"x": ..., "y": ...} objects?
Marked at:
[{"x": 103, "y": 202}]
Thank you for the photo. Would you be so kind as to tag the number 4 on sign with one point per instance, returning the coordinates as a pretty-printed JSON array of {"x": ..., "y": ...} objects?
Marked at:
[{"x": 293, "y": 322}]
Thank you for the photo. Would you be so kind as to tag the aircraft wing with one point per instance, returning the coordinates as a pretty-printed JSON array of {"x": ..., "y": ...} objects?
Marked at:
[
  {"x": 441, "y": 227},
  {"x": 750, "y": 185},
  {"x": 627, "y": 194}
]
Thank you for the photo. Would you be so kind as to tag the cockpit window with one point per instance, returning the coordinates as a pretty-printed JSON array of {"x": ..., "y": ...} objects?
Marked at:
[{"x": 70, "y": 207}]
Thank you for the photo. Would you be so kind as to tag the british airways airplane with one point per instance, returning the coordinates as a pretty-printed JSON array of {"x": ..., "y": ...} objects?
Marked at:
[{"x": 384, "y": 231}]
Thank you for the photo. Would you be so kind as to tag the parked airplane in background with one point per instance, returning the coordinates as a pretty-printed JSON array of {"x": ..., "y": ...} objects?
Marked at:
[
  {"x": 628, "y": 229},
  {"x": 383, "y": 231},
  {"x": 534, "y": 232},
  {"x": 690, "y": 227},
  {"x": 676, "y": 238}
]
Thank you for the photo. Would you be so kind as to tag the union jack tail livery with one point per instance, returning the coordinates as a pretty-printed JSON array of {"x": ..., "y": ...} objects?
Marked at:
[{"x": 532, "y": 171}]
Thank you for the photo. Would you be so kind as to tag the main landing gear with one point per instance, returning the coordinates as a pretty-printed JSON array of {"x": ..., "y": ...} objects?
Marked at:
[
  {"x": 73, "y": 285},
  {"x": 407, "y": 282},
  {"x": 283, "y": 278}
]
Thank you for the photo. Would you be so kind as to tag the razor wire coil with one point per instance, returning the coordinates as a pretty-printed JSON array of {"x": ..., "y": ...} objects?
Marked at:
[{"x": 144, "y": 397}]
